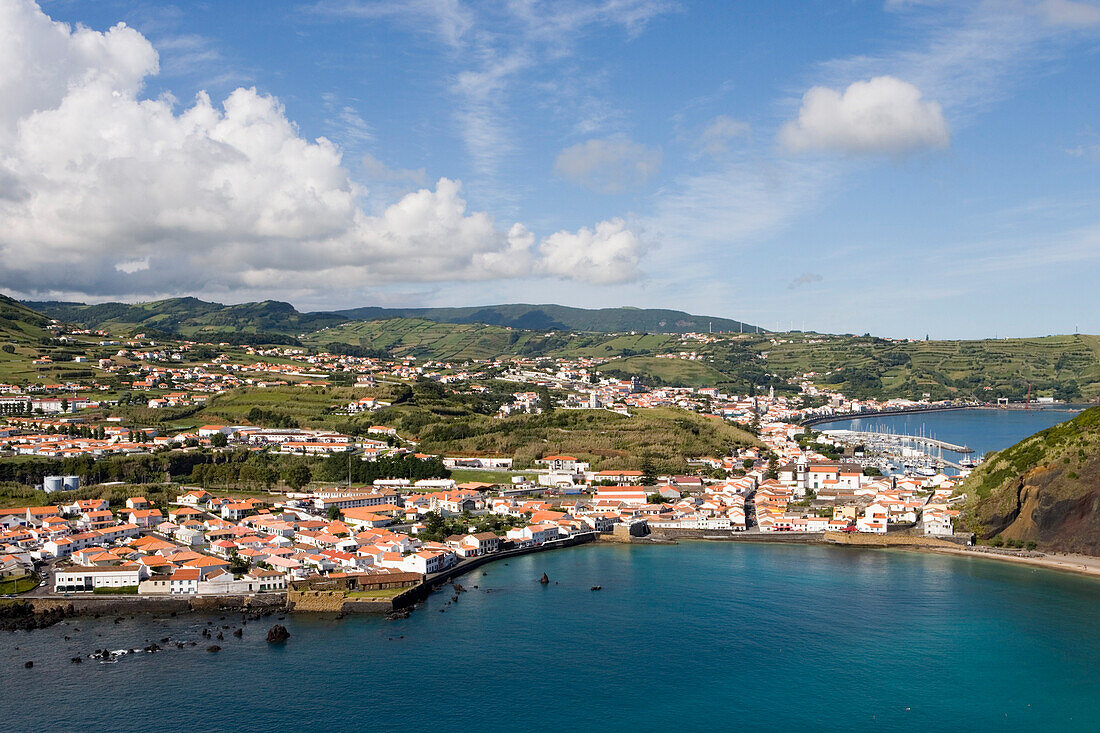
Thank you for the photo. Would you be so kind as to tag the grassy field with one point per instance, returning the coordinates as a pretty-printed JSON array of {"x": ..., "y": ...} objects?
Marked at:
[
  {"x": 678, "y": 372},
  {"x": 608, "y": 440},
  {"x": 9, "y": 586}
]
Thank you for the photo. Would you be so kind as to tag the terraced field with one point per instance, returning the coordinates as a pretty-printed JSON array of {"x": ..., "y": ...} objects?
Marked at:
[{"x": 1065, "y": 367}]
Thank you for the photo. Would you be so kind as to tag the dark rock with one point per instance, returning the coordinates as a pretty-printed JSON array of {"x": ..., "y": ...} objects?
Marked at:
[
  {"x": 220, "y": 636},
  {"x": 238, "y": 633},
  {"x": 545, "y": 580},
  {"x": 28, "y": 665},
  {"x": 597, "y": 587},
  {"x": 76, "y": 660},
  {"x": 277, "y": 633},
  {"x": 213, "y": 648}
]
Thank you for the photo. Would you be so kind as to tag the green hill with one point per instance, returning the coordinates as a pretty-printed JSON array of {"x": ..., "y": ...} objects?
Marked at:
[
  {"x": 1044, "y": 489},
  {"x": 20, "y": 324},
  {"x": 1064, "y": 367},
  {"x": 561, "y": 318},
  {"x": 189, "y": 317}
]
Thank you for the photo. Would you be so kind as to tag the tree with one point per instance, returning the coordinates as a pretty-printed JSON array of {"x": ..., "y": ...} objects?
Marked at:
[
  {"x": 297, "y": 475},
  {"x": 649, "y": 472},
  {"x": 218, "y": 440},
  {"x": 545, "y": 402},
  {"x": 333, "y": 513}
]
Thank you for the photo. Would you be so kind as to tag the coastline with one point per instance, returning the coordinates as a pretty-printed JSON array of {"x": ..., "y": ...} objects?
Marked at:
[{"x": 1086, "y": 565}]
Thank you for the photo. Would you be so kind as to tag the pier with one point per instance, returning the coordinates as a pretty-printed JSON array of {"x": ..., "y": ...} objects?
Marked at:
[{"x": 898, "y": 438}]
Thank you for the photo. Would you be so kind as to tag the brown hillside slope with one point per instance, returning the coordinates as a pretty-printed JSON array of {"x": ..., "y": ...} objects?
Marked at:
[{"x": 1046, "y": 488}]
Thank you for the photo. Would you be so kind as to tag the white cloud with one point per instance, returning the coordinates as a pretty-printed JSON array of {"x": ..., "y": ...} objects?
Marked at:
[
  {"x": 608, "y": 166},
  {"x": 608, "y": 254},
  {"x": 1070, "y": 13},
  {"x": 103, "y": 192},
  {"x": 715, "y": 139},
  {"x": 882, "y": 115}
]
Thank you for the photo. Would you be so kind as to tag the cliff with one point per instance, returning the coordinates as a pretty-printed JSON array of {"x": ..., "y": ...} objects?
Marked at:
[{"x": 1045, "y": 489}]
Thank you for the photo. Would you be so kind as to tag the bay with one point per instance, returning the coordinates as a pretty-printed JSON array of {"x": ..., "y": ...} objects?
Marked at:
[{"x": 697, "y": 636}]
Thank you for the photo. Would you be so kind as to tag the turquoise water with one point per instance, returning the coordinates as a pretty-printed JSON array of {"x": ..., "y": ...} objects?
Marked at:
[
  {"x": 982, "y": 430},
  {"x": 698, "y": 636}
]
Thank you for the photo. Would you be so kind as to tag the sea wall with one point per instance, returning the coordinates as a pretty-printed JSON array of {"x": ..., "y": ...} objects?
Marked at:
[
  {"x": 122, "y": 605},
  {"x": 803, "y": 538},
  {"x": 861, "y": 539}
]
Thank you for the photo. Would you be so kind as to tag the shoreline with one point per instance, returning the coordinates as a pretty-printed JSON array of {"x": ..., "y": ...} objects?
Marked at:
[{"x": 1084, "y": 565}]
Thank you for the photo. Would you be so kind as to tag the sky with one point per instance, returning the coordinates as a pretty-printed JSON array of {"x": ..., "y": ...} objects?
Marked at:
[{"x": 898, "y": 167}]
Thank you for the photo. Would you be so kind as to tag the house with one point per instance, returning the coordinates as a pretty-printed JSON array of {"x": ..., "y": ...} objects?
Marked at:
[
  {"x": 482, "y": 543},
  {"x": 196, "y": 497},
  {"x": 87, "y": 579},
  {"x": 138, "y": 502},
  {"x": 145, "y": 517},
  {"x": 630, "y": 497},
  {"x": 185, "y": 581},
  {"x": 236, "y": 510}
]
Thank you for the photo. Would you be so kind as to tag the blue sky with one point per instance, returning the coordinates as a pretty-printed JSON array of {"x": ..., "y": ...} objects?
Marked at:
[{"x": 900, "y": 167}]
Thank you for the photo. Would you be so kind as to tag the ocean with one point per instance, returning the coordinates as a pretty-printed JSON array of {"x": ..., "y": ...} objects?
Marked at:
[{"x": 692, "y": 637}]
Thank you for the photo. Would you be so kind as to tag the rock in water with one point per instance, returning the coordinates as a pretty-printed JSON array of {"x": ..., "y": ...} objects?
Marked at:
[
  {"x": 213, "y": 648},
  {"x": 277, "y": 633},
  {"x": 28, "y": 665},
  {"x": 544, "y": 579}
]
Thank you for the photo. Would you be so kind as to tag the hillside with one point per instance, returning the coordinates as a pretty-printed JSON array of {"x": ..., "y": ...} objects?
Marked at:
[
  {"x": 561, "y": 318},
  {"x": 189, "y": 317},
  {"x": 668, "y": 437},
  {"x": 1064, "y": 367},
  {"x": 425, "y": 339},
  {"x": 1045, "y": 489},
  {"x": 20, "y": 324}
]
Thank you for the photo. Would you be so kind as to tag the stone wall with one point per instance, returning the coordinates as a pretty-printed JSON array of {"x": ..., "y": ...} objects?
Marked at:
[
  {"x": 803, "y": 538},
  {"x": 121, "y": 605},
  {"x": 862, "y": 539}
]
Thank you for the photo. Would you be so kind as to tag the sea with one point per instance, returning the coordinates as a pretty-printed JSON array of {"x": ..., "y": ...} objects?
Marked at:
[
  {"x": 697, "y": 636},
  {"x": 980, "y": 429}
]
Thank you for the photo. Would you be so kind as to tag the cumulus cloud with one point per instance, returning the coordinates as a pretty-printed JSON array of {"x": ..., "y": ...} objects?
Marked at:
[
  {"x": 881, "y": 115},
  {"x": 104, "y": 192},
  {"x": 715, "y": 139},
  {"x": 608, "y": 166},
  {"x": 607, "y": 254}
]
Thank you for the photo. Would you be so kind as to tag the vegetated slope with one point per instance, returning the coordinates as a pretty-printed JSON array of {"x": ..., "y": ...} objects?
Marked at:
[
  {"x": 425, "y": 339},
  {"x": 190, "y": 317},
  {"x": 20, "y": 324},
  {"x": 1045, "y": 489},
  {"x": 1063, "y": 367},
  {"x": 561, "y": 318},
  {"x": 668, "y": 437}
]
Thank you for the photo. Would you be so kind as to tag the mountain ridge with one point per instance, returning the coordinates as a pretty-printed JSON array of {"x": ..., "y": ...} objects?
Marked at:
[{"x": 188, "y": 316}]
